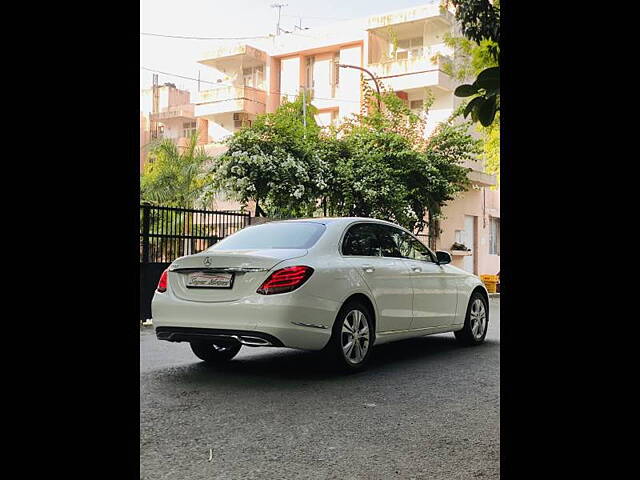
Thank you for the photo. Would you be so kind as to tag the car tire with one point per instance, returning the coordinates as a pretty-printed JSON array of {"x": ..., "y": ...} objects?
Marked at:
[
  {"x": 476, "y": 321},
  {"x": 351, "y": 359},
  {"x": 212, "y": 353}
]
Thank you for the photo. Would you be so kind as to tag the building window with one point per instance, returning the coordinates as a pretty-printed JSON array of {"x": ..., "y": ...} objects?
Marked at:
[
  {"x": 416, "y": 105},
  {"x": 247, "y": 75},
  {"x": 494, "y": 236},
  {"x": 253, "y": 77},
  {"x": 260, "y": 77},
  {"x": 188, "y": 129},
  {"x": 408, "y": 49},
  {"x": 310, "y": 63}
]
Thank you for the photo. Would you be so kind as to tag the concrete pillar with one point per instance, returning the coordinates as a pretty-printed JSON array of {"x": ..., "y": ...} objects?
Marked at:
[
  {"x": 273, "y": 84},
  {"x": 202, "y": 126}
]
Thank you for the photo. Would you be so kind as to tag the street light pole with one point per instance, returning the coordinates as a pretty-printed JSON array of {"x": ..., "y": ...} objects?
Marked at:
[{"x": 375, "y": 80}]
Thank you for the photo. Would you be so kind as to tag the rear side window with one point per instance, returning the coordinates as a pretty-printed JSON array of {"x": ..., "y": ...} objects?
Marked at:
[
  {"x": 283, "y": 235},
  {"x": 398, "y": 243},
  {"x": 412, "y": 248},
  {"x": 361, "y": 240},
  {"x": 390, "y": 241}
]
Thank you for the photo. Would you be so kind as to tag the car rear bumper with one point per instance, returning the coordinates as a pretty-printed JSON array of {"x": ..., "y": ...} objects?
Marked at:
[
  {"x": 287, "y": 320},
  {"x": 185, "y": 334}
]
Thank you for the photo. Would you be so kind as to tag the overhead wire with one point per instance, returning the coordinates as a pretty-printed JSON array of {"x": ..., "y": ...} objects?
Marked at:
[{"x": 251, "y": 100}]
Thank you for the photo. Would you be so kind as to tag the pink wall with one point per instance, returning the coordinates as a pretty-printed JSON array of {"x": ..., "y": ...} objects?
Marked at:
[
  {"x": 273, "y": 84},
  {"x": 482, "y": 204}
]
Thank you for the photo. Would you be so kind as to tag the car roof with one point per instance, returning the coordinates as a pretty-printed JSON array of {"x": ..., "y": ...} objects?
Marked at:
[{"x": 328, "y": 220}]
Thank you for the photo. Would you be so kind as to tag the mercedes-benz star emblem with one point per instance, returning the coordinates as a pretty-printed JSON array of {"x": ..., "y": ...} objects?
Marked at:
[{"x": 207, "y": 261}]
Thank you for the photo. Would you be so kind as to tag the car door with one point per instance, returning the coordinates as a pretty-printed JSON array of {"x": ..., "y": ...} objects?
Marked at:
[
  {"x": 435, "y": 289},
  {"x": 387, "y": 277}
]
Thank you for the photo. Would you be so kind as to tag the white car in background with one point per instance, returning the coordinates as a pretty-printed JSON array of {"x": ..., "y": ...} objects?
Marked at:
[{"x": 338, "y": 284}]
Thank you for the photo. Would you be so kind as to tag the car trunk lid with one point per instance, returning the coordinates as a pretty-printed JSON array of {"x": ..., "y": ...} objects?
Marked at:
[{"x": 248, "y": 269}]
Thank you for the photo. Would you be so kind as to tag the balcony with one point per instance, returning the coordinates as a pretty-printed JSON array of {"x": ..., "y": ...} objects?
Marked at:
[
  {"x": 179, "y": 112},
  {"x": 478, "y": 176},
  {"x": 230, "y": 99},
  {"x": 421, "y": 69},
  {"x": 432, "y": 12},
  {"x": 238, "y": 52}
]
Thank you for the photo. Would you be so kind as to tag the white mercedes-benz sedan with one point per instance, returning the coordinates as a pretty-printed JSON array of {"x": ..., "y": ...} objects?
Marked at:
[{"x": 341, "y": 285}]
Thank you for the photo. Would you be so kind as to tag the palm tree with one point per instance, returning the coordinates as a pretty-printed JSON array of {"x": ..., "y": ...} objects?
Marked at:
[{"x": 175, "y": 176}]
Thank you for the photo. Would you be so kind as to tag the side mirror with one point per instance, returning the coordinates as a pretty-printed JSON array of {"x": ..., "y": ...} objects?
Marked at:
[{"x": 443, "y": 257}]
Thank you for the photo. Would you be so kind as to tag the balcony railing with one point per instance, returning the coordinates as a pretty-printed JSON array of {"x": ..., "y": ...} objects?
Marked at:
[
  {"x": 180, "y": 111},
  {"x": 418, "y": 59},
  {"x": 224, "y": 93},
  {"x": 227, "y": 99}
]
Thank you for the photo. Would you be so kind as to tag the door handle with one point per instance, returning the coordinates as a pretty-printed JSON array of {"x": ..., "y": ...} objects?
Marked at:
[
  {"x": 368, "y": 268},
  {"x": 416, "y": 269}
]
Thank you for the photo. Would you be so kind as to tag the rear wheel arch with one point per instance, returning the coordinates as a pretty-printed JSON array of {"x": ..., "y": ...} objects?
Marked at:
[{"x": 362, "y": 298}]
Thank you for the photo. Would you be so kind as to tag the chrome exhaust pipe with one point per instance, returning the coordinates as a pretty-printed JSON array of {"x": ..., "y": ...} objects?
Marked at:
[{"x": 252, "y": 341}]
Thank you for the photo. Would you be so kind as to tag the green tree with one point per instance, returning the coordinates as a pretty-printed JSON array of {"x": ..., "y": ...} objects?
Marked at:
[
  {"x": 176, "y": 176},
  {"x": 480, "y": 22},
  {"x": 392, "y": 172},
  {"x": 472, "y": 58},
  {"x": 376, "y": 163},
  {"x": 491, "y": 148}
]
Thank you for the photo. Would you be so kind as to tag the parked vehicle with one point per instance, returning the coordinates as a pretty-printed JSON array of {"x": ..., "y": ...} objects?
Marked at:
[{"x": 341, "y": 285}]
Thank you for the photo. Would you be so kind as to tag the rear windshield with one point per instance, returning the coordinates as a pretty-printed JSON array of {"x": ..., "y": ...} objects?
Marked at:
[{"x": 273, "y": 235}]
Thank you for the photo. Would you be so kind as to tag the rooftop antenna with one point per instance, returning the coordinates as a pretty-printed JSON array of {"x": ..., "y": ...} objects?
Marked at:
[
  {"x": 279, "y": 7},
  {"x": 300, "y": 26}
]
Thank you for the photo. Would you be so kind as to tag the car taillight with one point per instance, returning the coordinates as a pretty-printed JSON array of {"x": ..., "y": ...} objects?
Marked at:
[
  {"x": 285, "y": 280},
  {"x": 164, "y": 280}
]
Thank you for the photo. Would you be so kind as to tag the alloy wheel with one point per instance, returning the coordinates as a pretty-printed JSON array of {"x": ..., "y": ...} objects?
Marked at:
[
  {"x": 355, "y": 336},
  {"x": 478, "y": 318}
]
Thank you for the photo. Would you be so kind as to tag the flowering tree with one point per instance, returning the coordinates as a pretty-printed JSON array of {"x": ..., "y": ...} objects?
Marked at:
[{"x": 274, "y": 163}]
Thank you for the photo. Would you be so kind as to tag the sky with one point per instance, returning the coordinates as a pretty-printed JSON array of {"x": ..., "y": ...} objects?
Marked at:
[{"x": 231, "y": 18}]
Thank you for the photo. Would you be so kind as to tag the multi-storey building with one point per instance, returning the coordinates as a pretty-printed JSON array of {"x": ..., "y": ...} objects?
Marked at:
[
  {"x": 172, "y": 117},
  {"x": 405, "y": 51}
]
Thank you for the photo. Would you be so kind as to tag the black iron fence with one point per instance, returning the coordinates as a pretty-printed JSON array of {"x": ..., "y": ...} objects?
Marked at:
[{"x": 167, "y": 233}]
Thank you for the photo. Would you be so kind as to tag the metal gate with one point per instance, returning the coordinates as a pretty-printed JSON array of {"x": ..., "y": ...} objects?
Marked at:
[{"x": 167, "y": 233}]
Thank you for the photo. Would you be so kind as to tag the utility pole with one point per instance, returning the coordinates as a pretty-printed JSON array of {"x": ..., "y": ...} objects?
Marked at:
[
  {"x": 155, "y": 107},
  {"x": 375, "y": 80},
  {"x": 279, "y": 7}
]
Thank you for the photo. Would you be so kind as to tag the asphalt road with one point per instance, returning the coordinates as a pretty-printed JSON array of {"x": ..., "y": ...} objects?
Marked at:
[{"x": 425, "y": 408}]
